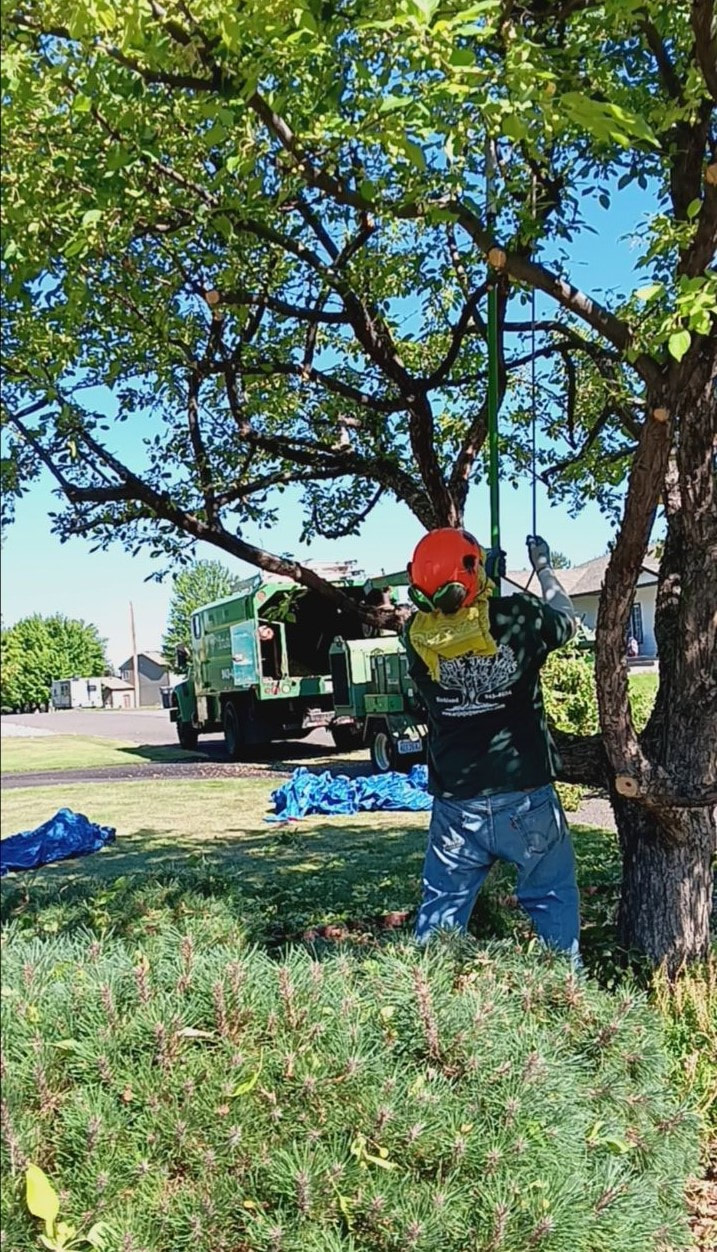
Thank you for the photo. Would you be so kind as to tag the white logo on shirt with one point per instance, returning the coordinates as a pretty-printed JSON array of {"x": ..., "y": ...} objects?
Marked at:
[{"x": 483, "y": 681}]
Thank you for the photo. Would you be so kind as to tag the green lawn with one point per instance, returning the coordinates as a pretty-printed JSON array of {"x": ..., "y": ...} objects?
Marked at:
[
  {"x": 198, "y": 859},
  {"x": 644, "y": 684},
  {"x": 67, "y": 752},
  {"x": 282, "y": 879}
]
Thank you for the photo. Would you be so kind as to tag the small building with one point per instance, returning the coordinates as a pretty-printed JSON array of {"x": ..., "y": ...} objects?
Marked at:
[
  {"x": 76, "y": 693},
  {"x": 583, "y": 584},
  {"x": 116, "y": 693},
  {"x": 154, "y": 674}
]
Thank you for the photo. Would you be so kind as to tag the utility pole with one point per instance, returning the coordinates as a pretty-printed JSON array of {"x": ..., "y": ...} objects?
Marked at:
[{"x": 135, "y": 662}]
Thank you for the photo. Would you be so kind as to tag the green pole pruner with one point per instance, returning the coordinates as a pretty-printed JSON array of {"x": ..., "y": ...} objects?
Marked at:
[{"x": 493, "y": 465}]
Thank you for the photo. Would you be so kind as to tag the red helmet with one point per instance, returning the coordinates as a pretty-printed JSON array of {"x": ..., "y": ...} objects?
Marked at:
[{"x": 447, "y": 571}]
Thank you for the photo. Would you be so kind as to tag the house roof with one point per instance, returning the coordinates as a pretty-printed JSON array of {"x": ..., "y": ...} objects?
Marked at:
[
  {"x": 155, "y": 657},
  {"x": 581, "y": 580},
  {"x": 115, "y": 684}
]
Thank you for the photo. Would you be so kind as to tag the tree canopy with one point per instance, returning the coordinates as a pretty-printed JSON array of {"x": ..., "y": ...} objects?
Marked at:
[
  {"x": 37, "y": 650},
  {"x": 259, "y": 236},
  {"x": 198, "y": 584}
]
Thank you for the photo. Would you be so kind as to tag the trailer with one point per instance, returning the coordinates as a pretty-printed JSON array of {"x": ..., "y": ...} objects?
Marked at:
[
  {"x": 76, "y": 693},
  {"x": 374, "y": 694}
]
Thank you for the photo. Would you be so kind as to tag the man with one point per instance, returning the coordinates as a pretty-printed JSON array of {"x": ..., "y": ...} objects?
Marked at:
[{"x": 476, "y": 660}]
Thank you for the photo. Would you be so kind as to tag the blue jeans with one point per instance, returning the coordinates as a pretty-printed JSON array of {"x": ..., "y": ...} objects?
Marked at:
[{"x": 527, "y": 828}]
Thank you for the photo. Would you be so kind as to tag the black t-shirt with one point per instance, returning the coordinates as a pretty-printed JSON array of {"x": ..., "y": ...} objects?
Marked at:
[{"x": 486, "y": 722}]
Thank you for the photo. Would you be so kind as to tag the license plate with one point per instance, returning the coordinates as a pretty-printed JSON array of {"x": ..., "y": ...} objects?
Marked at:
[{"x": 407, "y": 746}]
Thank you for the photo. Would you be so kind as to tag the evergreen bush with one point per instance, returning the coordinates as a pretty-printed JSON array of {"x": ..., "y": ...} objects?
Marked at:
[{"x": 190, "y": 1091}]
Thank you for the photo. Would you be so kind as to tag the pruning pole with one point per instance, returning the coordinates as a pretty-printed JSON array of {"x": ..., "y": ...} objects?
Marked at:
[{"x": 493, "y": 468}]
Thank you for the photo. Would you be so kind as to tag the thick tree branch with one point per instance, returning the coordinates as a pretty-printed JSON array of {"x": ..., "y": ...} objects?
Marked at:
[
  {"x": 564, "y": 293},
  {"x": 657, "y": 47},
  {"x": 705, "y": 31},
  {"x": 636, "y": 775}
]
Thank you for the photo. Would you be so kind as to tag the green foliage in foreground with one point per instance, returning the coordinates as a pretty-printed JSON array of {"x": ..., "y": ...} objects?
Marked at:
[
  {"x": 192, "y": 1092},
  {"x": 568, "y": 679}
]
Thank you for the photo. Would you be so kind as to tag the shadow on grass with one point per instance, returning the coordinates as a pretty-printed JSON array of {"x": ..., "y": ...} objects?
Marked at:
[
  {"x": 161, "y": 754},
  {"x": 337, "y": 881}
]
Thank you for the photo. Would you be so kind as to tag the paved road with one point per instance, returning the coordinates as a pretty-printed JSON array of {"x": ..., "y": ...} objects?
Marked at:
[
  {"x": 143, "y": 726},
  {"x": 150, "y": 726}
]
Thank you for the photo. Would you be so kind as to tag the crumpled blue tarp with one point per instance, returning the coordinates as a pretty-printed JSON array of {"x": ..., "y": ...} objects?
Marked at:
[
  {"x": 307, "y": 793},
  {"x": 66, "y": 834}
]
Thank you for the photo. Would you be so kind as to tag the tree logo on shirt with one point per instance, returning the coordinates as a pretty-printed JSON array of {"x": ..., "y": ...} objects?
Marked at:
[{"x": 481, "y": 680}]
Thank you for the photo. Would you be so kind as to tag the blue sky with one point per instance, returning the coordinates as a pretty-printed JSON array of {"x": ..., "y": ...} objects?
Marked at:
[{"x": 42, "y": 575}]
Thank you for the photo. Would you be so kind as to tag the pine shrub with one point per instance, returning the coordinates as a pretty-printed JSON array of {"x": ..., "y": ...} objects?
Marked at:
[{"x": 193, "y": 1092}]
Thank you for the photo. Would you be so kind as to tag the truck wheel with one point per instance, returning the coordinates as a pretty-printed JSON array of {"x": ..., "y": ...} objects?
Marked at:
[
  {"x": 232, "y": 730},
  {"x": 383, "y": 751},
  {"x": 347, "y": 736},
  {"x": 187, "y": 735}
]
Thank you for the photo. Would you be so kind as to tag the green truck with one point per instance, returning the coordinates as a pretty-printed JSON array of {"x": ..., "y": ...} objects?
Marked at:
[{"x": 275, "y": 661}]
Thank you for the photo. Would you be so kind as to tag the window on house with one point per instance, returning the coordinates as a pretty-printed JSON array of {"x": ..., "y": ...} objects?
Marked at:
[{"x": 636, "y": 623}]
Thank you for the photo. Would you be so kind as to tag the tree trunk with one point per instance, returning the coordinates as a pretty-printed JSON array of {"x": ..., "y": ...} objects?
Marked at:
[
  {"x": 666, "y": 898},
  {"x": 669, "y": 842}
]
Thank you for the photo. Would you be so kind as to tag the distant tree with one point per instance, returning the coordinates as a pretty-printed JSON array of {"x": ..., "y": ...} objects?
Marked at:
[
  {"x": 560, "y": 560},
  {"x": 37, "y": 650},
  {"x": 199, "y": 584}
]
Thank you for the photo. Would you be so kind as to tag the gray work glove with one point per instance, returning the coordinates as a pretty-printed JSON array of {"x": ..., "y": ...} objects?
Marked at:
[{"x": 538, "y": 552}]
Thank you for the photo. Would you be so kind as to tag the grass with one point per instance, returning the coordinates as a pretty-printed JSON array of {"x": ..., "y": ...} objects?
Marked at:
[
  {"x": 59, "y": 753},
  {"x": 644, "y": 682},
  {"x": 199, "y": 854},
  {"x": 283, "y": 880}
]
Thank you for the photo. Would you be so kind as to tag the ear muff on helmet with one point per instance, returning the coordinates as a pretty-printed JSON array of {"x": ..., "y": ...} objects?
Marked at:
[{"x": 447, "y": 599}]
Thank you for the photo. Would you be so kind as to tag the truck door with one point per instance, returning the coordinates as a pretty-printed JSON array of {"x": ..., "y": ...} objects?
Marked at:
[{"x": 245, "y": 660}]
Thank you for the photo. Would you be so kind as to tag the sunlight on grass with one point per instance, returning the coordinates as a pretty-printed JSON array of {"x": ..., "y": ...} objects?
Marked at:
[{"x": 68, "y": 752}]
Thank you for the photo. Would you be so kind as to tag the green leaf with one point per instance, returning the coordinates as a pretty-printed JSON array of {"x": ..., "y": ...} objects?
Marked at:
[
  {"x": 224, "y": 226},
  {"x": 41, "y": 1198},
  {"x": 693, "y": 208},
  {"x": 678, "y": 344},
  {"x": 98, "y": 1235},
  {"x": 91, "y": 217},
  {"x": 245, "y": 1087},
  {"x": 390, "y": 103},
  {"x": 649, "y": 292},
  {"x": 414, "y": 152}
]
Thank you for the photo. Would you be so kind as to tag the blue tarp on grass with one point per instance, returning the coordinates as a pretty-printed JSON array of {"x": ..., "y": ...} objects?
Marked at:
[
  {"x": 307, "y": 793},
  {"x": 66, "y": 834}
]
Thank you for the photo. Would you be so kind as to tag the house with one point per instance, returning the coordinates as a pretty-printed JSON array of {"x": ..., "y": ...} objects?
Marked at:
[
  {"x": 76, "y": 693},
  {"x": 154, "y": 674},
  {"x": 583, "y": 584},
  {"x": 116, "y": 693}
]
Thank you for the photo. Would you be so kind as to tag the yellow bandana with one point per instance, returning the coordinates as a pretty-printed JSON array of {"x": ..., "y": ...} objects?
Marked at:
[{"x": 436, "y": 636}]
